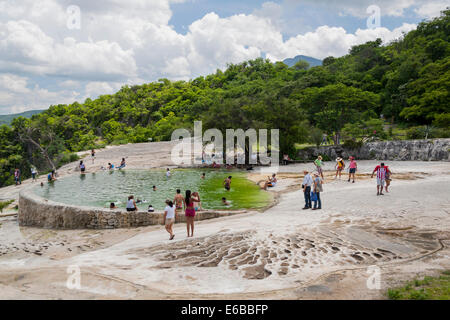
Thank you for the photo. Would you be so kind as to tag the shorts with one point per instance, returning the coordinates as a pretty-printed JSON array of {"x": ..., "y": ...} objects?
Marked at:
[
  {"x": 271, "y": 184},
  {"x": 170, "y": 221},
  {"x": 190, "y": 212},
  {"x": 352, "y": 170},
  {"x": 227, "y": 188},
  {"x": 380, "y": 182},
  {"x": 319, "y": 170},
  {"x": 131, "y": 209},
  {"x": 83, "y": 169}
]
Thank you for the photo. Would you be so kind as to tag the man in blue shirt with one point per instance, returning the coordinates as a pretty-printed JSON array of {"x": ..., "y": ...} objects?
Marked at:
[{"x": 306, "y": 185}]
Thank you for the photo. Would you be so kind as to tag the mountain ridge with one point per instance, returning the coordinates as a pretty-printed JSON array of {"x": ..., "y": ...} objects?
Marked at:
[
  {"x": 7, "y": 118},
  {"x": 313, "y": 62}
]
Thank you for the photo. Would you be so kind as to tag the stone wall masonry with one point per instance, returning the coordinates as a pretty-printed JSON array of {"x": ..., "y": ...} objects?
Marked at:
[
  {"x": 35, "y": 211},
  {"x": 422, "y": 150}
]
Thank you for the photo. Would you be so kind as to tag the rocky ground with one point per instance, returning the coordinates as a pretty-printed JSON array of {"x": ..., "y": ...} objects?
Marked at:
[{"x": 282, "y": 253}]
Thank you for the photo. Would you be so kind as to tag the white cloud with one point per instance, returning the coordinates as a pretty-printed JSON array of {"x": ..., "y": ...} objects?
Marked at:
[
  {"x": 26, "y": 48},
  {"x": 432, "y": 9},
  {"x": 333, "y": 41},
  {"x": 17, "y": 95},
  {"x": 358, "y": 8},
  {"x": 95, "y": 88},
  {"x": 69, "y": 84}
]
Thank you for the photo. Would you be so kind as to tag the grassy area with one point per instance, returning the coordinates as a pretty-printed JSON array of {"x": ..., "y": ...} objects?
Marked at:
[
  {"x": 301, "y": 146},
  {"x": 429, "y": 288},
  {"x": 5, "y": 204},
  {"x": 399, "y": 133}
]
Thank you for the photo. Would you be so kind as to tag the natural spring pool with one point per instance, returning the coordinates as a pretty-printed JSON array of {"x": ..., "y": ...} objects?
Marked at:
[{"x": 99, "y": 189}]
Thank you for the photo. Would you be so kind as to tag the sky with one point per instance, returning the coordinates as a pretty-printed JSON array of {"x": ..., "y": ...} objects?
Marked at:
[{"x": 61, "y": 51}]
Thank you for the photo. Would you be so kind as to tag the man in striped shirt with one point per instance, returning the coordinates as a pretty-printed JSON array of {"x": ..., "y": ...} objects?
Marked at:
[{"x": 381, "y": 177}]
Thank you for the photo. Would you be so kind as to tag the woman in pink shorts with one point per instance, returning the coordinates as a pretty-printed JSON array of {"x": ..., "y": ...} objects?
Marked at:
[{"x": 189, "y": 212}]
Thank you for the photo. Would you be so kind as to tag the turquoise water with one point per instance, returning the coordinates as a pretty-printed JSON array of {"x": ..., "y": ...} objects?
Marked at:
[{"x": 101, "y": 188}]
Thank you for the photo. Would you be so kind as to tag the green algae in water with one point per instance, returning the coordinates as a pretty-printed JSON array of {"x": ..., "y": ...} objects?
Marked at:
[{"x": 101, "y": 188}]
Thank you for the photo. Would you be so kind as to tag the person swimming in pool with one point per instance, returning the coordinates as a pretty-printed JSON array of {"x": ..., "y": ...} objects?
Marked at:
[
  {"x": 131, "y": 204},
  {"x": 225, "y": 202},
  {"x": 122, "y": 164},
  {"x": 227, "y": 183},
  {"x": 82, "y": 167}
]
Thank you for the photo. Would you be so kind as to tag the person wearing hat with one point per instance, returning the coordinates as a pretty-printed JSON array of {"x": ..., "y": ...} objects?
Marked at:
[
  {"x": 317, "y": 189},
  {"x": 318, "y": 163},
  {"x": 306, "y": 186},
  {"x": 352, "y": 169},
  {"x": 340, "y": 165}
]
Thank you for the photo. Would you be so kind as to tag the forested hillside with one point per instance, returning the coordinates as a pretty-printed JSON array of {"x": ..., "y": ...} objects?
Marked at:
[{"x": 404, "y": 83}]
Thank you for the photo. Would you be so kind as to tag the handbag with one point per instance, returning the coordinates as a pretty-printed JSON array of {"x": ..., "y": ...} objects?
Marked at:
[{"x": 313, "y": 196}]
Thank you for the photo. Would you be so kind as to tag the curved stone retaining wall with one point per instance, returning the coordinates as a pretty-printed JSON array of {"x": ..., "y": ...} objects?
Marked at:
[{"x": 39, "y": 212}]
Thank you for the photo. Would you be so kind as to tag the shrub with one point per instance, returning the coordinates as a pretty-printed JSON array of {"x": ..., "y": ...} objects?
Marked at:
[
  {"x": 394, "y": 294},
  {"x": 422, "y": 132},
  {"x": 4, "y": 204},
  {"x": 315, "y": 136},
  {"x": 352, "y": 144},
  {"x": 67, "y": 157}
]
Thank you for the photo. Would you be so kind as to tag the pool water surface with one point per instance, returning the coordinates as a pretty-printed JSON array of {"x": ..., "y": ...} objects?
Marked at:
[{"x": 101, "y": 188}]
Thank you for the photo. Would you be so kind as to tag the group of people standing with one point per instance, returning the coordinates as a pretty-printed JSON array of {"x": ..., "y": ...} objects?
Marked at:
[
  {"x": 312, "y": 183},
  {"x": 34, "y": 173},
  {"x": 312, "y": 187},
  {"x": 189, "y": 204},
  {"x": 340, "y": 166}
]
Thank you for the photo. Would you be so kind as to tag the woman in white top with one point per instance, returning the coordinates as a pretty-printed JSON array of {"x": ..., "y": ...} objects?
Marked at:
[
  {"x": 169, "y": 218},
  {"x": 131, "y": 204}
]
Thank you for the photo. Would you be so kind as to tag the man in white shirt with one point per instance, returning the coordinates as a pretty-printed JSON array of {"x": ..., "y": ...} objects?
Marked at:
[{"x": 306, "y": 185}]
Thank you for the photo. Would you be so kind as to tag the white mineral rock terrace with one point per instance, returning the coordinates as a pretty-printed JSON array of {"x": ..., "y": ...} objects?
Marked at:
[{"x": 282, "y": 253}]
